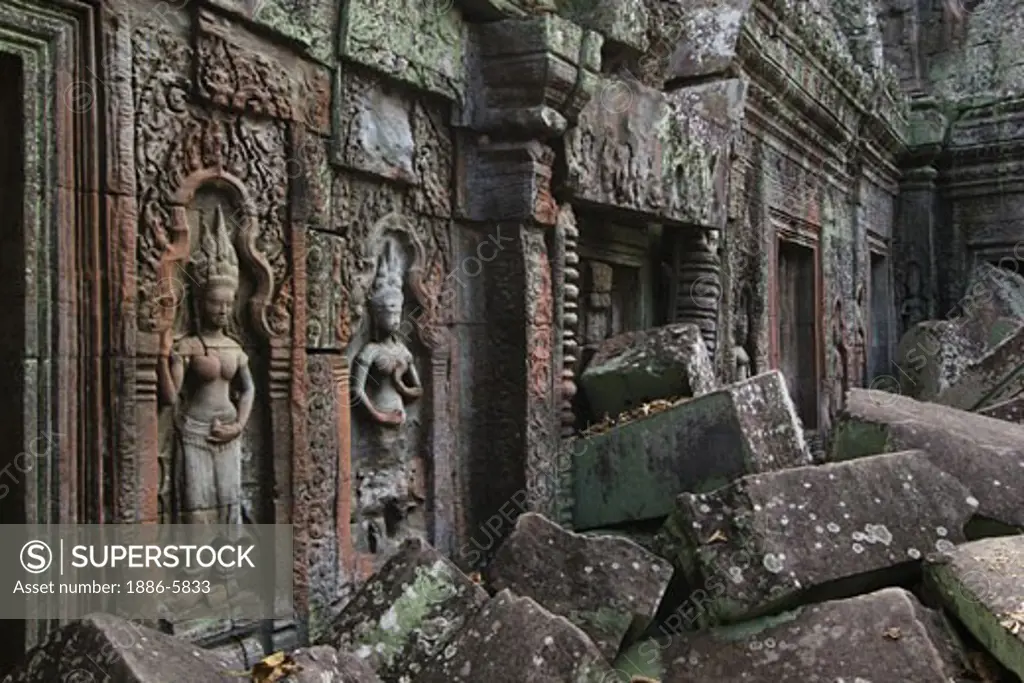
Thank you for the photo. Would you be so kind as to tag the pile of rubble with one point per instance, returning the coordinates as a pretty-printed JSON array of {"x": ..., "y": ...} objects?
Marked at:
[{"x": 709, "y": 546}]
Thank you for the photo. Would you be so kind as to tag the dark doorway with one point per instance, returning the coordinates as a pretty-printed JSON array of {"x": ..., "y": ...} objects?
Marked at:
[
  {"x": 12, "y": 324},
  {"x": 879, "y": 325},
  {"x": 797, "y": 330}
]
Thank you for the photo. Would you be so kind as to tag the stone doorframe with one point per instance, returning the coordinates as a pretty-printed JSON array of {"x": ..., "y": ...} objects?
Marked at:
[
  {"x": 805, "y": 235},
  {"x": 69, "y": 319}
]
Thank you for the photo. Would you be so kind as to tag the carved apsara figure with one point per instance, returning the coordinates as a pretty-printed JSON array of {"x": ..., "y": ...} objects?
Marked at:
[
  {"x": 741, "y": 340},
  {"x": 914, "y": 308},
  {"x": 386, "y": 362},
  {"x": 860, "y": 351},
  {"x": 391, "y": 489},
  {"x": 206, "y": 377},
  {"x": 838, "y": 363}
]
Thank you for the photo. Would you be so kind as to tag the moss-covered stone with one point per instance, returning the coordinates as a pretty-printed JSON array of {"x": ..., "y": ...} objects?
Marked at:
[
  {"x": 982, "y": 584},
  {"x": 407, "y": 612},
  {"x": 635, "y": 471}
]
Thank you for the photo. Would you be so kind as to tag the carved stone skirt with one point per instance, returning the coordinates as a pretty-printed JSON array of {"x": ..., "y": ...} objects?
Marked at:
[{"x": 211, "y": 476}]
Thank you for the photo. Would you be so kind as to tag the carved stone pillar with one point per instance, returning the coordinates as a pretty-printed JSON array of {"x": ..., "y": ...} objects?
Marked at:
[
  {"x": 598, "y": 304},
  {"x": 914, "y": 248},
  {"x": 566, "y": 273},
  {"x": 505, "y": 185},
  {"x": 697, "y": 283}
]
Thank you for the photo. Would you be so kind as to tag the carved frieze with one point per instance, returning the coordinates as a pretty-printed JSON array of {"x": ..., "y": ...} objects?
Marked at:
[
  {"x": 419, "y": 43},
  {"x": 324, "y": 257},
  {"x": 386, "y": 133},
  {"x": 309, "y": 22},
  {"x": 174, "y": 142},
  {"x": 235, "y": 71},
  {"x": 662, "y": 155}
]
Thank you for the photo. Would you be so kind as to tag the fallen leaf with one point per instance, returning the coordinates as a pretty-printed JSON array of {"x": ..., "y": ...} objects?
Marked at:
[
  {"x": 893, "y": 633},
  {"x": 273, "y": 668},
  {"x": 716, "y": 537}
]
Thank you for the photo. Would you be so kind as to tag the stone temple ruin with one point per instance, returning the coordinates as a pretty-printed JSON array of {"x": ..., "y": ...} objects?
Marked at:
[{"x": 577, "y": 340}]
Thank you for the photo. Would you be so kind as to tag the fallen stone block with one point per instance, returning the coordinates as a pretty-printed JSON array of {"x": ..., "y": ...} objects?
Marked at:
[
  {"x": 982, "y": 584},
  {"x": 1011, "y": 410},
  {"x": 405, "y": 614},
  {"x": 769, "y": 541},
  {"x": 931, "y": 357},
  {"x": 635, "y": 368},
  {"x": 634, "y": 471},
  {"x": 103, "y": 647},
  {"x": 992, "y": 295},
  {"x": 884, "y": 637},
  {"x": 994, "y": 377},
  {"x": 324, "y": 664},
  {"x": 608, "y": 586},
  {"x": 515, "y": 640},
  {"x": 985, "y": 454}
]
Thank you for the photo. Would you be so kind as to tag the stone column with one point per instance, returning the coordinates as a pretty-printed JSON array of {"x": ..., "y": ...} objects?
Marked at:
[
  {"x": 913, "y": 248},
  {"x": 506, "y": 164},
  {"x": 698, "y": 284}
]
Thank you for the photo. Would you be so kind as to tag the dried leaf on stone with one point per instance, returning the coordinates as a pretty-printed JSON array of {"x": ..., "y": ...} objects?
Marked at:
[
  {"x": 716, "y": 537},
  {"x": 274, "y": 668},
  {"x": 1013, "y": 622},
  {"x": 893, "y": 633}
]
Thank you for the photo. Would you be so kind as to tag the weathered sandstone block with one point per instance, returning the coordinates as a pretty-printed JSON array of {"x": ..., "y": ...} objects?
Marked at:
[
  {"x": 769, "y": 540},
  {"x": 608, "y": 586},
  {"x": 883, "y": 636},
  {"x": 512, "y": 640},
  {"x": 405, "y": 613},
  {"x": 634, "y": 368},
  {"x": 636, "y": 470},
  {"x": 985, "y": 454},
  {"x": 982, "y": 583}
]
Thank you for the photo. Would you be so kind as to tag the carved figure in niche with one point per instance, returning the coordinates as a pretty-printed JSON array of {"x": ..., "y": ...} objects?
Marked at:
[
  {"x": 386, "y": 361},
  {"x": 742, "y": 365},
  {"x": 205, "y": 376},
  {"x": 914, "y": 307},
  {"x": 860, "y": 351},
  {"x": 390, "y": 491},
  {"x": 838, "y": 363}
]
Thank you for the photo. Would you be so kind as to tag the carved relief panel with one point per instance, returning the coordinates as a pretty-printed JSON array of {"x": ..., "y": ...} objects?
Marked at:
[
  {"x": 398, "y": 355},
  {"x": 214, "y": 439},
  {"x": 214, "y": 350}
]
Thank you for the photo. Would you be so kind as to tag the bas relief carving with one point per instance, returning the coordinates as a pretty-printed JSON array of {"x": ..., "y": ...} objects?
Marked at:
[
  {"x": 394, "y": 343},
  {"x": 205, "y": 377},
  {"x": 204, "y": 369},
  {"x": 838, "y": 363},
  {"x": 743, "y": 349}
]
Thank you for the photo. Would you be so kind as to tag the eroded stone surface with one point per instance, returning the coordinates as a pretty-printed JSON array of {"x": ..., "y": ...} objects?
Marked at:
[
  {"x": 710, "y": 31},
  {"x": 982, "y": 583},
  {"x": 634, "y": 368},
  {"x": 635, "y": 470},
  {"x": 931, "y": 357},
  {"x": 513, "y": 639},
  {"x": 883, "y": 636},
  {"x": 769, "y": 539},
  {"x": 103, "y": 645},
  {"x": 621, "y": 21},
  {"x": 606, "y": 585},
  {"x": 406, "y": 613},
  {"x": 420, "y": 43},
  {"x": 657, "y": 154},
  {"x": 985, "y": 454},
  {"x": 324, "y": 664},
  {"x": 996, "y": 376}
]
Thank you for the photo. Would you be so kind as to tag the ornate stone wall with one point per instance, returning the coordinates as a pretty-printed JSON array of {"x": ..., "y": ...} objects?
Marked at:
[{"x": 428, "y": 212}]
